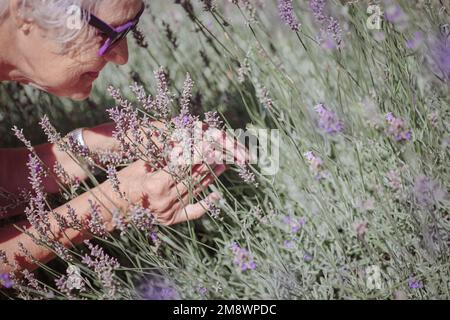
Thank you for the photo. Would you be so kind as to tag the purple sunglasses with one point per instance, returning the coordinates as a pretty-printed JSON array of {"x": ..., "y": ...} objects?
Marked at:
[{"x": 115, "y": 35}]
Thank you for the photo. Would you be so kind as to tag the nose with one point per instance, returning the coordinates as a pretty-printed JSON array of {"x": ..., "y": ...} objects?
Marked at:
[{"x": 119, "y": 54}]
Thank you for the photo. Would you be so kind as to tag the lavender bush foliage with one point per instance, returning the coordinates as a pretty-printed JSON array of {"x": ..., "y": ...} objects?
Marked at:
[{"x": 371, "y": 191}]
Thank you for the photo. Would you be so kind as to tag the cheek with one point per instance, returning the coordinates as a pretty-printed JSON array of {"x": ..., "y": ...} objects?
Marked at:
[
  {"x": 72, "y": 74},
  {"x": 68, "y": 81},
  {"x": 64, "y": 77}
]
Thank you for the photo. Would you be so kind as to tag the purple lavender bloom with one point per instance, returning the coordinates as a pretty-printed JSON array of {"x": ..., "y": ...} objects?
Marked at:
[
  {"x": 415, "y": 41},
  {"x": 394, "y": 13},
  {"x": 330, "y": 29},
  {"x": 154, "y": 236},
  {"x": 439, "y": 57},
  {"x": 163, "y": 97},
  {"x": 127, "y": 122},
  {"x": 246, "y": 174},
  {"x": 158, "y": 288},
  {"x": 103, "y": 266},
  {"x": 111, "y": 174},
  {"x": 428, "y": 192},
  {"x": 334, "y": 32},
  {"x": 413, "y": 283},
  {"x": 212, "y": 119},
  {"x": 288, "y": 244},
  {"x": 295, "y": 224},
  {"x": 95, "y": 222},
  {"x": 316, "y": 165},
  {"x": 318, "y": 10},
  {"x": 185, "y": 100},
  {"x": 202, "y": 291},
  {"x": 397, "y": 128},
  {"x": 142, "y": 218},
  {"x": 242, "y": 257},
  {"x": 287, "y": 14},
  {"x": 316, "y": 162},
  {"x": 328, "y": 120},
  {"x": 51, "y": 133},
  {"x": 307, "y": 257},
  {"x": 36, "y": 212},
  {"x": 5, "y": 281}
]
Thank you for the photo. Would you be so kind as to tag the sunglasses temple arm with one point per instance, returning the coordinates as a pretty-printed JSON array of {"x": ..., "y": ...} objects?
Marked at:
[{"x": 99, "y": 24}]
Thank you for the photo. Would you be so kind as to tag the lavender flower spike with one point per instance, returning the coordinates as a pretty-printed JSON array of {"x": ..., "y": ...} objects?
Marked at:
[
  {"x": 242, "y": 257},
  {"x": 397, "y": 128},
  {"x": 439, "y": 57},
  {"x": 287, "y": 14},
  {"x": 5, "y": 281},
  {"x": 328, "y": 120}
]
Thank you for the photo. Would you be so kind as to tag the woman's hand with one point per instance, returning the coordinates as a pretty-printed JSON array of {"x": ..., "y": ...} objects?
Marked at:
[{"x": 167, "y": 198}]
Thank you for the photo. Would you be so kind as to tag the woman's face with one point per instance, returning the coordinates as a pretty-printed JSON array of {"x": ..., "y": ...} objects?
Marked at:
[{"x": 72, "y": 73}]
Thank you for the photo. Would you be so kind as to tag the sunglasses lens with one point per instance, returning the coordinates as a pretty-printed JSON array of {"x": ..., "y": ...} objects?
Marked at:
[{"x": 114, "y": 42}]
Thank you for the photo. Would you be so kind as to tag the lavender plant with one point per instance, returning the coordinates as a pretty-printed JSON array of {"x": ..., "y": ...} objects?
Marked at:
[{"x": 363, "y": 178}]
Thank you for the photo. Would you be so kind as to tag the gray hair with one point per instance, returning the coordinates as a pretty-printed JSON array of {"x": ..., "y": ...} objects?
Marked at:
[{"x": 54, "y": 15}]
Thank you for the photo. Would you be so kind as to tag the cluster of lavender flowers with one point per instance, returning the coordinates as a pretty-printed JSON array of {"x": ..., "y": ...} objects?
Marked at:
[
  {"x": 104, "y": 267},
  {"x": 416, "y": 40},
  {"x": 328, "y": 120},
  {"x": 179, "y": 144},
  {"x": 316, "y": 165},
  {"x": 287, "y": 14},
  {"x": 138, "y": 139},
  {"x": 428, "y": 192},
  {"x": 6, "y": 281},
  {"x": 147, "y": 141},
  {"x": 143, "y": 219},
  {"x": 439, "y": 56},
  {"x": 38, "y": 213},
  {"x": 331, "y": 33},
  {"x": 294, "y": 224},
  {"x": 71, "y": 281},
  {"x": 157, "y": 288},
  {"x": 397, "y": 128},
  {"x": 395, "y": 14},
  {"x": 95, "y": 223},
  {"x": 414, "y": 283},
  {"x": 242, "y": 257}
]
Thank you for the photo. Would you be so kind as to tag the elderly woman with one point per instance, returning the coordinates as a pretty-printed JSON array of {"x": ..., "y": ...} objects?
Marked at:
[{"x": 43, "y": 46}]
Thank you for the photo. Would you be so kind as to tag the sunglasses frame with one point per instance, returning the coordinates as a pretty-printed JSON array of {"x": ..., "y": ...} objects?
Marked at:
[{"x": 115, "y": 35}]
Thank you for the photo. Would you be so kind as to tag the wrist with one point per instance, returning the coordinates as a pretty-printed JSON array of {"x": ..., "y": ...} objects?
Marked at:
[{"x": 100, "y": 138}]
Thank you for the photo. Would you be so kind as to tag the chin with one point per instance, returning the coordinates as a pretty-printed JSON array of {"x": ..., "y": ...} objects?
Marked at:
[{"x": 80, "y": 95}]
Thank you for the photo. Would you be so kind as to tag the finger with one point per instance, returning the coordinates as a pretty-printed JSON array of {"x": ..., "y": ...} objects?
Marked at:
[
  {"x": 185, "y": 198},
  {"x": 209, "y": 179},
  {"x": 195, "y": 211},
  {"x": 198, "y": 173}
]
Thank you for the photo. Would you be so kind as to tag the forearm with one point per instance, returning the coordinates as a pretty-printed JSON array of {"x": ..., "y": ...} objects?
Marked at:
[
  {"x": 10, "y": 236},
  {"x": 13, "y": 169}
]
